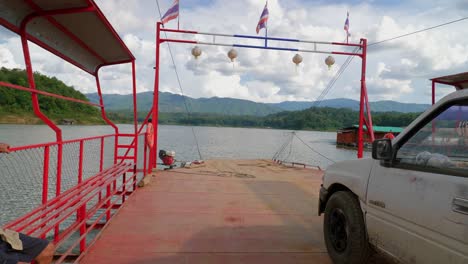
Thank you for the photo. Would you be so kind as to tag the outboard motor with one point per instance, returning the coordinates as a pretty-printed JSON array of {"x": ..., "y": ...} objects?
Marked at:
[{"x": 167, "y": 157}]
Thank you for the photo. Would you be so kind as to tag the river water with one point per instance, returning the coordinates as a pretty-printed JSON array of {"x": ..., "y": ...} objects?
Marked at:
[
  {"x": 214, "y": 142},
  {"x": 21, "y": 173}
]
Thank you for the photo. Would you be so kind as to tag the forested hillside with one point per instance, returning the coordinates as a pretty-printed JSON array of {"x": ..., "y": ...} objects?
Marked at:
[
  {"x": 16, "y": 107},
  {"x": 327, "y": 118},
  {"x": 321, "y": 119},
  {"x": 174, "y": 103}
]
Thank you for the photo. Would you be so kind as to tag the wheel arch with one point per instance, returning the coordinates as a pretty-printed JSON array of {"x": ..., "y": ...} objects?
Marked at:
[{"x": 336, "y": 187}]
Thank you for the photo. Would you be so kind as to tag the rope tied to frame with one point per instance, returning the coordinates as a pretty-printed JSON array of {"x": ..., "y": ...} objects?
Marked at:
[{"x": 289, "y": 143}]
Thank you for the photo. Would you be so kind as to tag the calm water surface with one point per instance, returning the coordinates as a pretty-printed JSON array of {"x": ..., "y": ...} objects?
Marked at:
[
  {"x": 214, "y": 142},
  {"x": 21, "y": 173}
]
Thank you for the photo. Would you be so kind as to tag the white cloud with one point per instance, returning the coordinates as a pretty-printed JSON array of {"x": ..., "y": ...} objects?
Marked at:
[
  {"x": 394, "y": 67},
  {"x": 381, "y": 88},
  {"x": 6, "y": 58}
]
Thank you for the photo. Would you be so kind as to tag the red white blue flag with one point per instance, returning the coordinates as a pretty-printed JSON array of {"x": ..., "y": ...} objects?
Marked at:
[
  {"x": 172, "y": 13},
  {"x": 262, "y": 23},
  {"x": 346, "y": 25}
]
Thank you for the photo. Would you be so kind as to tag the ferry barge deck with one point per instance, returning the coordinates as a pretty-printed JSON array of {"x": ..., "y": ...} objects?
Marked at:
[{"x": 223, "y": 211}]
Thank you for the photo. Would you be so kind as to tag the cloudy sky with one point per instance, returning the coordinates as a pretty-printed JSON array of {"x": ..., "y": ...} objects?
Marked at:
[{"x": 397, "y": 70}]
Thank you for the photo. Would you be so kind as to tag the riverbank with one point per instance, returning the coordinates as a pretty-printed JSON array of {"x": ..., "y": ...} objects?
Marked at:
[
  {"x": 19, "y": 120},
  {"x": 31, "y": 119}
]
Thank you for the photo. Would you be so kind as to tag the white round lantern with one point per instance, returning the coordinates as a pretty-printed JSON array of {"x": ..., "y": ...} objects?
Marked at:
[
  {"x": 297, "y": 59},
  {"x": 196, "y": 52},
  {"x": 329, "y": 61},
  {"x": 232, "y": 54}
]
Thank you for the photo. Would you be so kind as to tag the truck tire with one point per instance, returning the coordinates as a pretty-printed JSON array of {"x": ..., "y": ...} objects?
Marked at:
[{"x": 344, "y": 230}]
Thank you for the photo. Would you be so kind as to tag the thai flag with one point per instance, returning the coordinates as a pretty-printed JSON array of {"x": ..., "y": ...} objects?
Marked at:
[
  {"x": 346, "y": 24},
  {"x": 263, "y": 19},
  {"x": 172, "y": 13}
]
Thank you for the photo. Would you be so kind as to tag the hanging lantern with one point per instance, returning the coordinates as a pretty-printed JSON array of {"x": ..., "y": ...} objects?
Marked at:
[
  {"x": 196, "y": 52},
  {"x": 232, "y": 54},
  {"x": 297, "y": 59},
  {"x": 329, "y": 61}
]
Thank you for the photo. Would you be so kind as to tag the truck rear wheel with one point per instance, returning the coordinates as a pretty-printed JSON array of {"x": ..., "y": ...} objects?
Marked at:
[{"x": 344, "y": 229}]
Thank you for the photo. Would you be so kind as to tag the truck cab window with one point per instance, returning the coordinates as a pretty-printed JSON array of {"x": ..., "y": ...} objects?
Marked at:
[{"x": 441, "y": 143}]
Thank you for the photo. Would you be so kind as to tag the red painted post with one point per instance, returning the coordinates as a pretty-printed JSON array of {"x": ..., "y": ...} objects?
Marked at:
[
  {"x": 370, "y": 128},
  {"x": 361, "y": 105},
  {"x": 135, "y": 110},
  {"x": 101, "y": 162},
  {"x": 80, "y": 162},
  {"x": 81, "y": 213},
  {"x": 58, "y": 185},
  {"x": 45, "y": 178},
  {"x": 144, "y": 160},
  {"x": 45, "y": 175},
  {"x": 135, "y": 120},
  {"x": 108, "y": 204},
  {"x": 433, "y": 121},
  {"x": 124, "y": 187},
  {"x": 101, "y": 156},
  {"x": 155, "y": 109}
]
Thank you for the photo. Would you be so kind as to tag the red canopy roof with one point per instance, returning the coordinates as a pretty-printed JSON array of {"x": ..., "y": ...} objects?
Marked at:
[
  {"x": 75, "y": 30},
  {"x": 460, "y": 80}
]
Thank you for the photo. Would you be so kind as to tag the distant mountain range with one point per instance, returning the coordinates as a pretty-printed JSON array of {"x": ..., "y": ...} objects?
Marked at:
[
  {"x": 174, "y": 103},
  {"x": 378, "y": 106}
]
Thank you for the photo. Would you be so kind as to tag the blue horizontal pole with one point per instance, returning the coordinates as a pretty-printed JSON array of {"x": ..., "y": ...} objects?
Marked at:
[
  {"x": 262, "y": 47},
  {"x": 266, "y": 38}
]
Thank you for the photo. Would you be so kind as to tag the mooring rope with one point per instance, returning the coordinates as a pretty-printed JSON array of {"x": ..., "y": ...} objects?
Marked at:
[
  {"x": 335, "y": 78},
  {"x": 317, "y": 152},
  {"x": 289, "y": 142},
  {"x": 283, "y": 147}
]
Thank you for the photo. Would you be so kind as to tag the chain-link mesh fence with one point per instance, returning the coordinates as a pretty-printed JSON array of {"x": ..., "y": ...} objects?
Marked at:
[
  {"x": 21, "y": 182},
  {"x": 25, "y": 172},
  {"x": 22, "y": 172}
]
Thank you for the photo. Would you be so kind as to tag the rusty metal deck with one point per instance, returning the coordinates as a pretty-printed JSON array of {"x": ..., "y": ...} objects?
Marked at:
[{"x": 225, "y": 211}]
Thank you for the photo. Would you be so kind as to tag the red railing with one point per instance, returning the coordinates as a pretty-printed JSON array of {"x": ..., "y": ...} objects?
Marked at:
[
  {"x": 72, "y": 186},
  {"x": 86, "y": 190},
  {"x": 64, "y": 189}
]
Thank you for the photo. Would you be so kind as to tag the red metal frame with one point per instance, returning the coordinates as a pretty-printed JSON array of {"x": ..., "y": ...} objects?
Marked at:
[
  {"x": 365, "y": 117},
  {"x": 32, "y": 84},
  {"x": 109, "y": 26},
  {"x": 45, "y": 173},
  {"x": 75, "y": 200},
  {"x": 155, "y": 108},
  {"x": 456, "y": 84},
  {"x": 38, "y": 112},
  {"x": 53, "y": 212},
  {"x": 21, "y": 88},
  {"x": 364, "y": 108},
  {"x": 135, "y": 112},
  {"x": 44, "y": 46},
  {"x": 92, "y": 7},
  {"x": 64, "y": 30}
]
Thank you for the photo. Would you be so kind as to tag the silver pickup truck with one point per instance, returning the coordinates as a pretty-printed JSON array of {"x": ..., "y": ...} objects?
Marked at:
[{"x": 410, "y": 202}]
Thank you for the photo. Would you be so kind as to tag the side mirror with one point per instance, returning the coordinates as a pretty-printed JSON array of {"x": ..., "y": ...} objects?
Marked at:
[{"x": 382, "y": 149}]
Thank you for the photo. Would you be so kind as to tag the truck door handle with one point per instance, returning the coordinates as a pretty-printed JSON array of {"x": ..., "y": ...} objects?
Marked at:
[{"x": 460, "y": 205}]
